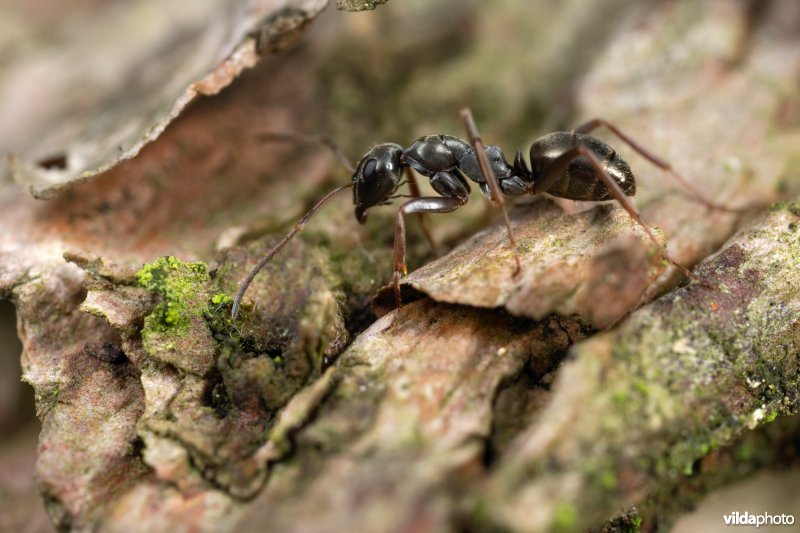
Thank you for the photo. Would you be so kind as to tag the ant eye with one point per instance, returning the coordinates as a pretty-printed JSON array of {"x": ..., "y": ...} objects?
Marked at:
[{"x": 369, "y": 168}]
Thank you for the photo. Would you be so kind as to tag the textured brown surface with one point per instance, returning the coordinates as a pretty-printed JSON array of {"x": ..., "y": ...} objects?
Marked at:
[
  {"x": 466, "y": 412},
  {"x": 108, "y": 79}
]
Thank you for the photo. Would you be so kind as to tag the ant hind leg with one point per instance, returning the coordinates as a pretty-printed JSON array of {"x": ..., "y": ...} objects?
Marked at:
[
  {"x": 694, "y": 194},
  {"x": 560, "y": 164}
]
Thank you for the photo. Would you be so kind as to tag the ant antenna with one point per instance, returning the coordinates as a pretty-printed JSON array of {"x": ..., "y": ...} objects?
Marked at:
[
  {"x": 237, "y": 302},
  {"x": 307, "y": 138}
]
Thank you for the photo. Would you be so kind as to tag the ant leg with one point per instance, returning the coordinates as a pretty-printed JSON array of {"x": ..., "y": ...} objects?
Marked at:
[
  {"x": 560, "y": 164},
  {"x": 488, "y": 175},
  {"x": 237, "y": 301},
  {"x": 426, "y": 204},
  {"x": 657, "y": 161},
  {"x": 306, "y": 138},
  {"x": 423, "y": 220}
]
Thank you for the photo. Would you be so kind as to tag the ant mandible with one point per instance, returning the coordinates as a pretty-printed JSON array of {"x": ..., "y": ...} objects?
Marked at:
[{"x": 572, "y": 165}]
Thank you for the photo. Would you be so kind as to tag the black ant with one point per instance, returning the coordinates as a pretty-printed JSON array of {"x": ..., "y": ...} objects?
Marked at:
[{"x": 572, "y": 165}]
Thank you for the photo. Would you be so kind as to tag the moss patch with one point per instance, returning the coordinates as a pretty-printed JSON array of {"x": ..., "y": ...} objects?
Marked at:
[
  {"x": 180, "y": 284},
  {"x": 680, "y": 379},
  {"x": 176, "y": 332}
]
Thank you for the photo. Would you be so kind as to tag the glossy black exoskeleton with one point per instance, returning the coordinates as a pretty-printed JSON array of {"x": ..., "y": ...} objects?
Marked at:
[{"x": 572, "y": 165}]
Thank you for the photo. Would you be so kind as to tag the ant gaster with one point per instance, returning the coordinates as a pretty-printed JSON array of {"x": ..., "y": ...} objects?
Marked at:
[{"x": 571, "y": 165}]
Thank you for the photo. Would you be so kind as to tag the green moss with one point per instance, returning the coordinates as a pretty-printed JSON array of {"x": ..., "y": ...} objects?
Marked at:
[
  {"x": 358, "y": 5},
  {"x": 700, "y": 344},
  {"x": 620, "y": 399},
  {"x": 221, "y": 299},
  {"x": 179, "y": 285},
  {"x": 791, "y": 207},
  {"x": 46, "y": 398},
  {"x": 608, "y": 479},
  {"x": 641, "y": 386},
  {"x": 627, "y": 522},
  {"x": 744, "y": 452},
  {"x": 187, "y": 326},
  {"x": 566, "y": 515}
]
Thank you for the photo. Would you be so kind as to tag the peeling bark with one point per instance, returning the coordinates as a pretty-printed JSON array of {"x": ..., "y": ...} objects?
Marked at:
[
  {"x": 597, "y": 264},
  {"x": 486, "y": 401},
  {"x": 155, "y": 75}
]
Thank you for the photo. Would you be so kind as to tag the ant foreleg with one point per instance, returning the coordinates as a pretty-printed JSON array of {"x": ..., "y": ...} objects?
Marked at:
[
  {"x": 308, "y": 138},
  {"x": 657, "y": 161},
  {"x": 423, "y": 220},
  {"x": 237, "y": 301},
  {"x": 426, "y": 204},
  {"x": 491, "y": 180},
  {"x": 560, "y": 164}
]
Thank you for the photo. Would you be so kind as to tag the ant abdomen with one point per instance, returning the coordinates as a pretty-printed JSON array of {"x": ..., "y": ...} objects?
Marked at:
[
  {"x": 580, "y": 180},
  {"x": 572, "y": 165}
]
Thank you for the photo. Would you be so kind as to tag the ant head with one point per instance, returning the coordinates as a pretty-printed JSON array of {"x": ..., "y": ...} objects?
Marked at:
[{"x": 376, "y": 178}]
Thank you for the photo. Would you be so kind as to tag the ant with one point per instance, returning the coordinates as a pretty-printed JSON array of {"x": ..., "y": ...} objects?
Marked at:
[{"x": 572, "y": 165}]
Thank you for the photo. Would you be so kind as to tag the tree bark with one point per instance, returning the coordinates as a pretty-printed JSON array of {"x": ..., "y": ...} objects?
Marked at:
[{"x": 592, "y": 383}]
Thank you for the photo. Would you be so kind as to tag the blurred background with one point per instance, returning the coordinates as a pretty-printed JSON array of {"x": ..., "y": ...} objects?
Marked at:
[{"x": 711, "y": 86}]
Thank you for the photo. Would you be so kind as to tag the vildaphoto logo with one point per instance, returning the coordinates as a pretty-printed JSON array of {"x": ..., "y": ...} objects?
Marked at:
[{"x": 764, "y": 519}]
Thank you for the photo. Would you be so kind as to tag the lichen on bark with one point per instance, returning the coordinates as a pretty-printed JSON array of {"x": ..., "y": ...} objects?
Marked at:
[
  {"x": 481, "y": 403},
  {"x": 635, "y": 409},
  {"x": 358, "y": 5}
]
